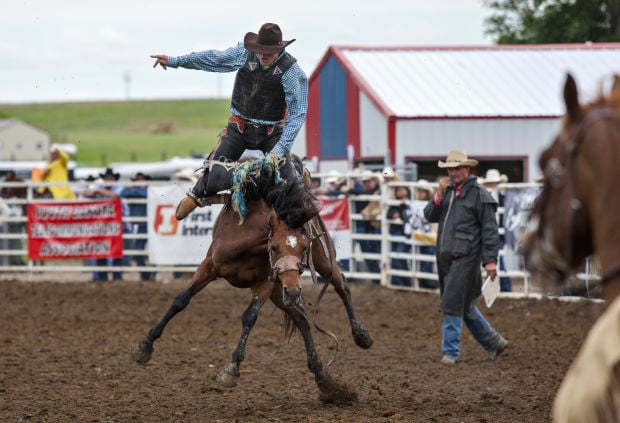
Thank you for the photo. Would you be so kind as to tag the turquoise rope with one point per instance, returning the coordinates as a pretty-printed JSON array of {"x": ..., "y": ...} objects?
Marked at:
[{"x": 249, "y": 172}]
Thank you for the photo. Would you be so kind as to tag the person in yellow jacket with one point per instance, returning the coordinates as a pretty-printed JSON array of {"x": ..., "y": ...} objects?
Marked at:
[{"x": 57, "y": 170}]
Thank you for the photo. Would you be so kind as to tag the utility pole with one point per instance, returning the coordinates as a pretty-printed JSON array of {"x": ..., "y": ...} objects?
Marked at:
[{"x": 127, "y": 79}]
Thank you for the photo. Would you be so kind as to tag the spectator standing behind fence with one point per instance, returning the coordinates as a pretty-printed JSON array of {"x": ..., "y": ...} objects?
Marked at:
[
  {"x": 14, "y": 210},
  {"x": 108, "y": 190},
  {"x": 423, "y": 192},
  {"x": 467, "y": 236},
  {"x": 369, "y": 210},
  {"x": 140, "y": 192},
  {"x": 333, "y": 185},
  {"x": 57, "y": 170},
  {"x": 491, "y": 182},
  {"x": 400, "y": 213}
]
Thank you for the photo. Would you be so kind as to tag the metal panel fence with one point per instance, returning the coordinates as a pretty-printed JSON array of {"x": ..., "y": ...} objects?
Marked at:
[{"x": 382, "y": 264}]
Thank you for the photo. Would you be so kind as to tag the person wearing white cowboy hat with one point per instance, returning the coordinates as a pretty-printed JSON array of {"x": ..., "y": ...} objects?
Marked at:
[
  {"x": 467, "y": 237},
  {"x": 186, "y": 174},
  {"x": 268, "y": 107},
  {"x": 491, "y": 182},
  {"x": 494, "y": 177}
]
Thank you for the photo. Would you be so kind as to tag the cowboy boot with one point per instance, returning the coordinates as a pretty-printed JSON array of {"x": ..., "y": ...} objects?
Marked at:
[{"x": 217, "y": 178}]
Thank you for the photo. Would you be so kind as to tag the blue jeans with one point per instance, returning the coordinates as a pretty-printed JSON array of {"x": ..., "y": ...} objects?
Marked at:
[
  {"x": 400, "y": 264},
  {"x": 505, "y": 284},
  {"x": 480, "y": 329},
  {"x": 427, "y": 266}
]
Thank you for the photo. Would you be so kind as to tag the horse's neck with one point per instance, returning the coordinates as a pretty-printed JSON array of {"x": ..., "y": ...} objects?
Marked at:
[{"x": 599, "y": 172}]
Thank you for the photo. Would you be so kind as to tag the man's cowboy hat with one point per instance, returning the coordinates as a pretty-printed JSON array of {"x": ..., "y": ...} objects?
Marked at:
[
  {"x": 335, "y": 177},
  {"x": 424, "y": 185},
  {"x": 186, "y": 175},
  {"x": 457, "y": 158},
  {"x": 267, "y": 41},
  {"x": 493, "y": 176},
  {"x": 367, "y": 175},
  {"x": 110, "y": 172},
  {"x": 141, "y": 175}
]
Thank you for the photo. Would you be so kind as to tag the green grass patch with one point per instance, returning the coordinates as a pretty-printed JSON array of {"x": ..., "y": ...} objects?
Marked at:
[{"x": 106, "y": 132}]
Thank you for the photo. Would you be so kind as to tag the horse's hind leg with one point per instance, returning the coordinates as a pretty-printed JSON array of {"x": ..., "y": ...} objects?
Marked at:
[
  {"x": 330, "y": 391},
  {"x": 230, "y": 374},
  {"x": 326, "y": 266},
  {"x": 201, "y": 278}
]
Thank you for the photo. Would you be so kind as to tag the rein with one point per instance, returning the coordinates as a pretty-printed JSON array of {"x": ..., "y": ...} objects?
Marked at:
[
  {"x": 613, "y": 274},
  {"x": 316, "y": 234},
  {"x": 556, "y": 174}
]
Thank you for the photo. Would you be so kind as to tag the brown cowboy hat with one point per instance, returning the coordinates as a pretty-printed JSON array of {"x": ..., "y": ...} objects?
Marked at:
[
  {"x": 457, "y": 158},
  {"x": 267, "y": 41}
]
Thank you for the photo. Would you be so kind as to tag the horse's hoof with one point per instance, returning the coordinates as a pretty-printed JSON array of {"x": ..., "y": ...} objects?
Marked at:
[
  {"x": 228, "y": 376},
  {"x": 362, "y": 338},
  {"x": 332, "y": 392},
  {"x": 142, "y": 351}
]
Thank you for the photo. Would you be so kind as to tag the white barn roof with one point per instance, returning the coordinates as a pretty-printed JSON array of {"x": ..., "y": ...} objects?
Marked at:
[{"x": 466, "y": 82}]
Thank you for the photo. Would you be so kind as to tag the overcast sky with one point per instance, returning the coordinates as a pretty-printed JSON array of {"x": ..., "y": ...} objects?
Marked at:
[{"x": 68, "y": 50}]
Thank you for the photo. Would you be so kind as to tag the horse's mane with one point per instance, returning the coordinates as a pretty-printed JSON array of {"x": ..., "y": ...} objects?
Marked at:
[{"x": 277, "y": 180}]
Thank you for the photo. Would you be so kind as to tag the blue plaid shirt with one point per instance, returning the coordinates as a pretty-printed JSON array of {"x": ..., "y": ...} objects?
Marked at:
[{"x": 294, "y": 83}]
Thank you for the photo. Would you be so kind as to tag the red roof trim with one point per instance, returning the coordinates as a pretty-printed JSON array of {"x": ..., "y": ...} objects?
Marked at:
[{"x": 355, "y": 77}]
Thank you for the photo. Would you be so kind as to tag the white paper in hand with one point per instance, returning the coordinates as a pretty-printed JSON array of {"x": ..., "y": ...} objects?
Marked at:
[{"x": 490, "y": 289}]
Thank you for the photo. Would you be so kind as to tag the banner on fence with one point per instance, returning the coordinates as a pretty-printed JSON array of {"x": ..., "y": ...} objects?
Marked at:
[
  {"x": 422, "y": 231},
  {"x": 518, "y": 202},
  {"x": 171, "y": 242},
  {"x": 335, "y": 214},
  {"x": 63, "y": 230}
]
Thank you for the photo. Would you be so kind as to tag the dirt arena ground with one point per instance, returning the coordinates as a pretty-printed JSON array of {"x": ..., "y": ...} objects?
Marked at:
[{"x": 65, "y": 357}]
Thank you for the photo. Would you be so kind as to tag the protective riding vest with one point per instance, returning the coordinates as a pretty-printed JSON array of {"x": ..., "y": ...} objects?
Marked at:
[{"x": 258, "y": 92}]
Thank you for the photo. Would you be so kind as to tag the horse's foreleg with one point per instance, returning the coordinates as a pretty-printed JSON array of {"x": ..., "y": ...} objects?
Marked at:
[
  {"x": 201, "y": 278},
  {"x": 361, "y": 335},
  {"x": 329, "y": 269},
  {"x": 330, "y": 390},
  {"x": 230, "y": 374}
]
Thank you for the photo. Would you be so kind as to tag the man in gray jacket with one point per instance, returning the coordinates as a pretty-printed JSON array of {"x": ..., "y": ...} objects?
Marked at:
[{"x": 467, "y": 237}]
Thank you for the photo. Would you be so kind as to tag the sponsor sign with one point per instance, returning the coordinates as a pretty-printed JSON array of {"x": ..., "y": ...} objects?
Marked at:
[
  {"x": 171, "y": 242},
  {"x": 335, "y": 215},
  {"x": 63, "y": 230}
]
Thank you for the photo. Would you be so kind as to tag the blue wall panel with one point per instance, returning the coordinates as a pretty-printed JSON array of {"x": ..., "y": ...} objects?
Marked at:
[{"x": 333, "y": 100}]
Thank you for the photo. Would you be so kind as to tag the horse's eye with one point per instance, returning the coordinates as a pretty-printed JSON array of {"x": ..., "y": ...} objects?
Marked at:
[{"x": 274, "y": 248}]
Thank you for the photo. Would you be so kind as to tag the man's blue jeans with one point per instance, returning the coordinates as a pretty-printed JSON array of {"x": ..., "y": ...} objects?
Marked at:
[{"x": 480, "y": 329}]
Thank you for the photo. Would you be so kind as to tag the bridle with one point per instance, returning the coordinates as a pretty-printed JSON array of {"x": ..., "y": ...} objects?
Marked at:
[
  {"x": 284, "y": 263},
  {"x": 557, "y": 176}
]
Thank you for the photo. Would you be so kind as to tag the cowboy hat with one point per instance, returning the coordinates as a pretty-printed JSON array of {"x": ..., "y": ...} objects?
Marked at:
[
  {"x": 186, "y": 175},
  {"x": 335, "y": 178},
  {"x": 110, "y": 172},
  {"x": 141, "y": 175},
  {"x": 457, "y": 158},
  {"x": 388, "y": 172},
  {"x": 425, "y": 185},
  {"x": 493, "y": 176},
  {"x": 267, "y": 41},
  {"x": 367, "y": 175}
]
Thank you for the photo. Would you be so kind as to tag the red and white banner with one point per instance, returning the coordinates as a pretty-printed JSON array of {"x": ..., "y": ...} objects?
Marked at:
[
  {"x": 335, "y": 214},
  {"x": 63, "y": 230}
]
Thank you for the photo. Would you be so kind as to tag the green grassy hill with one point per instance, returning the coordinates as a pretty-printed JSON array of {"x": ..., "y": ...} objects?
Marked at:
[{"x": 125, "y": 131}]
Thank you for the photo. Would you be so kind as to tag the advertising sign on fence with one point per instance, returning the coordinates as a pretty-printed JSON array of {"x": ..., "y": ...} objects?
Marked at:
[
  {"x": 171, "y": 242},
  {"x": 62, "y": 230},
  {"x": 335, "y": 214}
]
